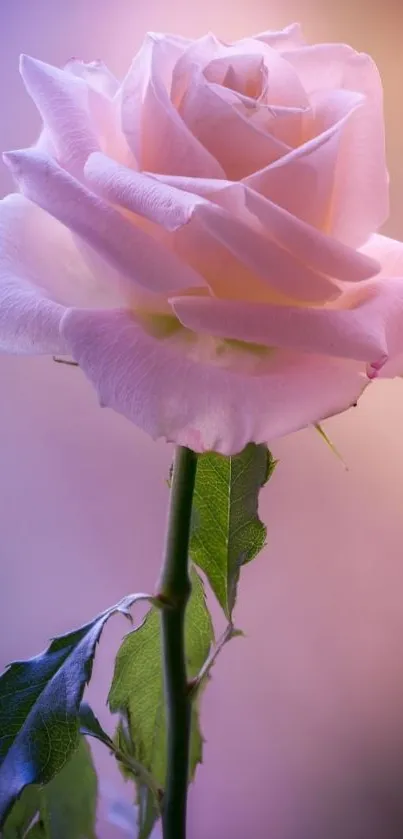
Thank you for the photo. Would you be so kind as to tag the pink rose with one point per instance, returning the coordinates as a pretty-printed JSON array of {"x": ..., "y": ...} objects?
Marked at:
[{"x": 200, "y": 238}]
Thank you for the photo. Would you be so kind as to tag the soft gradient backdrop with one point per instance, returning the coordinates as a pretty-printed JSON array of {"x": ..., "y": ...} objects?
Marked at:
[{"x": 304, "y": 718}]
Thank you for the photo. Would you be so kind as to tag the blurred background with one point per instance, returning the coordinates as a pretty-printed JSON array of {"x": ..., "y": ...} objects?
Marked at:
[{"x": 303, "y": 719}]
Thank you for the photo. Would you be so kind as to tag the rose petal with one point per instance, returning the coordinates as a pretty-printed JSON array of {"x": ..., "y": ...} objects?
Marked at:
[
  {"x": 62, "y": 101},
  {"x": 78, "y": 111},
  {"x": 284, "y": 85},
  {"x": 361, "y": 194},
  {"x": 96, "y": 74},
  {"x": 287, "y": 125},
  {"x": 285, "y": 88},
  {"x": 321, "y": 252},
  {"x": 136, "y": 254},
  {"x": 244, "y": 75},
  {"x": 303, "y": 181},
  {"x": 360, "y": 332},
  {"x": 103, "y": 107},
  {"x": 52, "y": 261},
  {"x": 146, "y": 103},
  {"x": 318, "y": 250},
  {"x": 327, "y": 67},
  {"x": 162, "y": 389},
  {"x": 204, "y": 187},
  {"x": 360, "y": 201},
  {"x": 236, "y": 142},
  {"x": 389, "y": 252},
  {"x": 173, "y": 208},
  {"x": 306, "y": 243},
  {"x": 139, "y": 193},
  {"x": 279, "y": 269},
  {"x": 209, "y": 227},
  {"x": 31, "y": 265},
  {"x": 285, "y": 39},
  {"x": 242, "y": 132}
]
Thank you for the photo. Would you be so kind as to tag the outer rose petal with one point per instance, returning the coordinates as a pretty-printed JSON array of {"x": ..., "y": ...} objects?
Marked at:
[
  {"x": 96, "y": 74},
  {"x": 389, "y": 252},
  {"x": 279, "y": 270},
  {"x": 360, "y": 201},
  {"x": 48, "y": 257},
  {"x": 311, "y": 246},
  {"x": 128, "y": 248},
  {"x": 77, "y": 109},
  {"x": 103, "y": 107},
  {"x": 286, "y": 39},
  {"x": 310, "y": 169},
  {"x": 30, "y": 260},
  {"x": 208, "y": 228},
  {"x": 361, "y": 332},
  {"x": 140, "y": 193},
  {"x": 29, "y": 323},
  {"x": 199, "y": 404},
  {"x": 155, "y": 132},
  {"x": 62, "y": 101}
]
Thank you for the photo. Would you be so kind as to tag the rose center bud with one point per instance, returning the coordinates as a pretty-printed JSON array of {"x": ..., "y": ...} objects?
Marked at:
[{"x": 246, "y": 75}]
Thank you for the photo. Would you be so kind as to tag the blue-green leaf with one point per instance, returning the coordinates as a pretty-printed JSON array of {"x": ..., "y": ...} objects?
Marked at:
[
  {"x": 39, "y": 705},
  {"x": 90, "y": 726},
  {"x": 226, "y": 529}
]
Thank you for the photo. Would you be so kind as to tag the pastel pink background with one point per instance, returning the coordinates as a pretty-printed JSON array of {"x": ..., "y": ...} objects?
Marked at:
[{"x": 304, "y": 718}]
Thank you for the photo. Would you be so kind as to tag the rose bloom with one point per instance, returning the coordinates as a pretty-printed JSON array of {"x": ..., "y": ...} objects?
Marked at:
[{"x": 201, "y": 237}]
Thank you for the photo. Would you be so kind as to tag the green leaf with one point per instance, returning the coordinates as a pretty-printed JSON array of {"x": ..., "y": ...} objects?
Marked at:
[
  {"x": 65, "y": 807},
  {"x": 226, "y": 529},
  {"x": 148, "y": 812},
  {"x": 130, "y": 766},
  {"x": 70, "y": 799},
  {"x": 22, "y": 813},
  {"x": 148, "y": 793},
  {"x": 39, "y": 705},
  {"x": 38, "y": 831},
  {"x": 137, "y": 687}
]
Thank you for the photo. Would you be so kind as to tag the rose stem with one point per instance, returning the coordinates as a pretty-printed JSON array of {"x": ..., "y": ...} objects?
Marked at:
[{"x": 175, "y": 590}]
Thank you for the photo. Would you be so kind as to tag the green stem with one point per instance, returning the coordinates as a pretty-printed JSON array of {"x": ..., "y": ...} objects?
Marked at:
[{"x": 174, "y": 591}]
